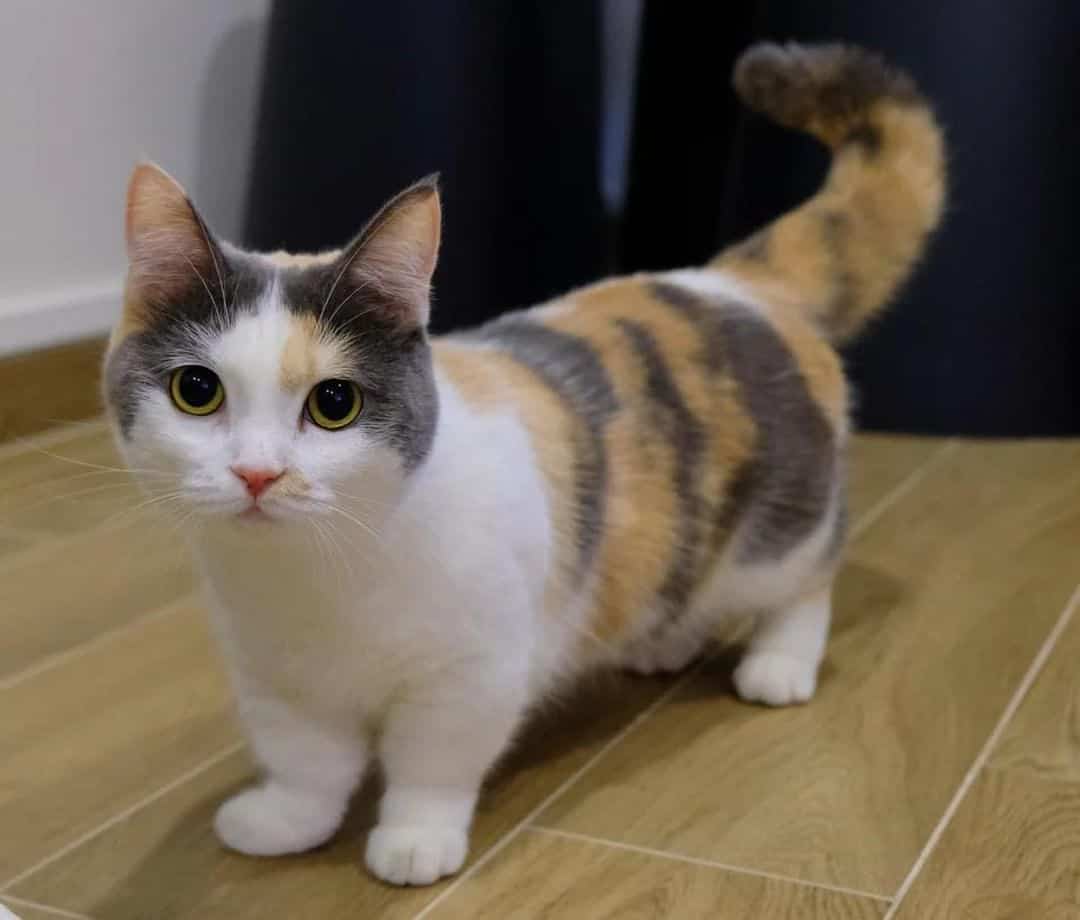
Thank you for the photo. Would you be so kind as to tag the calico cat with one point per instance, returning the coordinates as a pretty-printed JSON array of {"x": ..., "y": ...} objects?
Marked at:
[{"x": 408, "y": 543}]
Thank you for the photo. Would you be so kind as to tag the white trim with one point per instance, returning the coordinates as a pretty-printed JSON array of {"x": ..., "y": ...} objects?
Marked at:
[{"x": 58, "y": 315}]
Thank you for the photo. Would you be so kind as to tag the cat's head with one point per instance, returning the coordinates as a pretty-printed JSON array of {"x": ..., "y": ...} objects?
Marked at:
[{"x": 270, "y": 389}]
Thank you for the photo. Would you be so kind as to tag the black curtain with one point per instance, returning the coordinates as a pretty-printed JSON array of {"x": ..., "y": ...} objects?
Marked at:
[{"x": 505, "y": 100}]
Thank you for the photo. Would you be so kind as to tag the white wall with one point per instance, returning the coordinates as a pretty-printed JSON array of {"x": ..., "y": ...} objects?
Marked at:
[{"x": 87, "y": 87}]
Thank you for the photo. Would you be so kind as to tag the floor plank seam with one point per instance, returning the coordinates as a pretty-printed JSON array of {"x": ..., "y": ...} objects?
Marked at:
[
  {"x": 906, "y": 485},
  {"x": 44, "y": 908},
  {"x": 707, "y": 863},
  {"x": 561, "y": 789},
  {"x": 912, "y": 479},
  {"x": 76, "y": 651},
  {"x": 58, "y": 436},
  {"x": 981, "y": 759},
  {"x": 122, "y": 815}
]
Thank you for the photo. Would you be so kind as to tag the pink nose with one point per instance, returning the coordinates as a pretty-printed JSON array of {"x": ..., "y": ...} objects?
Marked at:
[{"x": 257, "y": 481}]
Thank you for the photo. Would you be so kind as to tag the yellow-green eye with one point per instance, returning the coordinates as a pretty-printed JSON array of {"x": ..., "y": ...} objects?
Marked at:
[
  {"x": 196, "y": 390},
  {"x": 334, "y": 404}
]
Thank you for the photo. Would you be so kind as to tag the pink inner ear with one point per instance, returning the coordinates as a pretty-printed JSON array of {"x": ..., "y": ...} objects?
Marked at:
[{"x": 398, "y": 251}]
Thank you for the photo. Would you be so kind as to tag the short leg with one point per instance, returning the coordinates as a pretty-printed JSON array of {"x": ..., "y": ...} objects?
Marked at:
[
  {"x": 436, "y": 752},
  {"x": 781, "y": 662},
  {"x": 311, "y": 771}
]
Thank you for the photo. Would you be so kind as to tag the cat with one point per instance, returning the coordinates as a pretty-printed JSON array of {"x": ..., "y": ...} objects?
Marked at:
[{"x": 408, "y": 543}]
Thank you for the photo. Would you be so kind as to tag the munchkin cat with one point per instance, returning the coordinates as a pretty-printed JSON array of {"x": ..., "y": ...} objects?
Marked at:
[{"x": 408, "y": 543}]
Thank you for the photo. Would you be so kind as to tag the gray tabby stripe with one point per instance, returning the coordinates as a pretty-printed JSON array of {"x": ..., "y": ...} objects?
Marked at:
[
  {"x": 570, "y": 368},
  {"x": 784, "y": 490},
  {"x": 671, "y": 418}
]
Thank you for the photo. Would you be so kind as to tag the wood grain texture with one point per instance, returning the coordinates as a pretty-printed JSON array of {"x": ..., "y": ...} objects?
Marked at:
[
  {"x": 942, "y": 606},
  {"x": 542, "y": 877},
  {"x": 58, "y": 594},
  {"x": 1012, "y": 852},
  {"x": 52, "y": 386},
  {"x": 939, "y": 611},
  {"x": 119, "y": 874},
  {"x": 86, "y": 739},
  {"x": 57, "y": 486},
  {"x": 11, "y": 544},
  {"x": 1043, "y": 738}
]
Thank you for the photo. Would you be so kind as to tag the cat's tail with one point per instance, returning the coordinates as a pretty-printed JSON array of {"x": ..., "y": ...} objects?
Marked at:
[{"x": 844, "y": 252}]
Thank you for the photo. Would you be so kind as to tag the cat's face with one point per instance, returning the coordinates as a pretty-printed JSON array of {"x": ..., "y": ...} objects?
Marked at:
[{"x": 270, "y": 389}]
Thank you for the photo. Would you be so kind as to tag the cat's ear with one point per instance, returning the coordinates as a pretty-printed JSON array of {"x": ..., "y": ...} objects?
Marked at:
[
  {"x": 168, "y": 244},
  {"x": 395, "y": 254}
]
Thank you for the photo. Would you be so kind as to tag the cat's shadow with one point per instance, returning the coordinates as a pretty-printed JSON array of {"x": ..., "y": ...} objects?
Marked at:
[{"x": 186, "y": 872}]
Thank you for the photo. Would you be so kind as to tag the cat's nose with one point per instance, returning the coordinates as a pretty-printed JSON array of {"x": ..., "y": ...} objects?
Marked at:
[{"x": 257, "y": 481}]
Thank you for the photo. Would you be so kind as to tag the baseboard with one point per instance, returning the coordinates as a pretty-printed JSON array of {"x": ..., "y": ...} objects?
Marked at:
[{"x": 58, "y": 316}]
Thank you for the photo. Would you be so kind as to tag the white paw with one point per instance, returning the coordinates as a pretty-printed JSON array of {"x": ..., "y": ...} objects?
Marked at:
[
  {"x": 664, "y": 656},
  {"x": 415, "y": 855},
  {"x": 775, "y": 679},
  {"x": 271, "y": 820}
]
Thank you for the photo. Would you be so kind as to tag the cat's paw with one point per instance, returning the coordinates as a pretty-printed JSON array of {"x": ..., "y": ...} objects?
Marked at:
[
  {"x": 272, "y": 820},
  {"x": 415, "y": 855},
  {"x": 775, "y": 679}
]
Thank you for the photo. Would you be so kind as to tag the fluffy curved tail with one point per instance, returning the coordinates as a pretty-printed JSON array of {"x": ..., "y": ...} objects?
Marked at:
[{"x": 844, "y": 252}]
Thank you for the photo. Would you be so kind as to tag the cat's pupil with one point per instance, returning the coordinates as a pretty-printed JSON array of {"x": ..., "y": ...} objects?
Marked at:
[
  {"x": 335, "y": 399},
  {"x": 197, "y": 386}
]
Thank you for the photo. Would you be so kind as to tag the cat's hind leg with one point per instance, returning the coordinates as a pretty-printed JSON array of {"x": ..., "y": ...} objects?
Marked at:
[{"x": 785, "y": 649}]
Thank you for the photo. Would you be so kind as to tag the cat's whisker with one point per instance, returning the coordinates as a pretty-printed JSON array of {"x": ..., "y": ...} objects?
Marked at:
[
  {"x": 367, "y": 528},
  {"x": 360, "y": 287},
  {"x": 317, "y": 541},
  {"x": 213, "y": 258},
  {"x": 143, "y": 506},
  {"x": 100, "y": 466},
  {"x": 333, "y": 287},
  {"x": 354, "y": 318},
  {"x": 365, "y": 501},
  {"x": 335, "y": 539},
  {"x": 198, "y": 273},
  {"x": 75, "y": 495}
]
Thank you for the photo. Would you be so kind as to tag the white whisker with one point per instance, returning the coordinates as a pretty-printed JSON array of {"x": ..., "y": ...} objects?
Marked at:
[{"x": 206, "y": 287}]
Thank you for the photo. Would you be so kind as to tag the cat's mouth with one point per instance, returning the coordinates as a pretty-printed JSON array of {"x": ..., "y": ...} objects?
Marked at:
[{"x": 253, "y": 514}]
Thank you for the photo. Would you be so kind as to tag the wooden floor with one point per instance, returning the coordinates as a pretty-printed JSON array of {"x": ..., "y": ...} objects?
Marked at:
[{"x": 936, "y": 774}]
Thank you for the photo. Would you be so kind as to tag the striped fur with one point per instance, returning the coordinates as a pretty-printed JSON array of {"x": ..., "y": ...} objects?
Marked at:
[
  {"x": 612, "y": 478},
  {"x": 707, "y": 408},
  {"x": 841, "y": 255}
]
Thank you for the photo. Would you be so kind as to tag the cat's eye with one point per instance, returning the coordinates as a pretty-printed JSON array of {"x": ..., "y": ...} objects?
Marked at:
[
  {"x": 333, "y": 404},
  {"x": 196, "y": 390}
]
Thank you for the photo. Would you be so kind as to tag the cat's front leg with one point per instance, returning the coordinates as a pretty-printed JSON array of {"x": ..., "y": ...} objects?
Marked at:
[
  {"x": 436, "y": 748},
  {"x": 311, "y": 769}
]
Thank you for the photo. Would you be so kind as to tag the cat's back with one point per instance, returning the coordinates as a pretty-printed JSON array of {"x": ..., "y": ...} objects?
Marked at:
[{"x": 666, "y": 411}]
